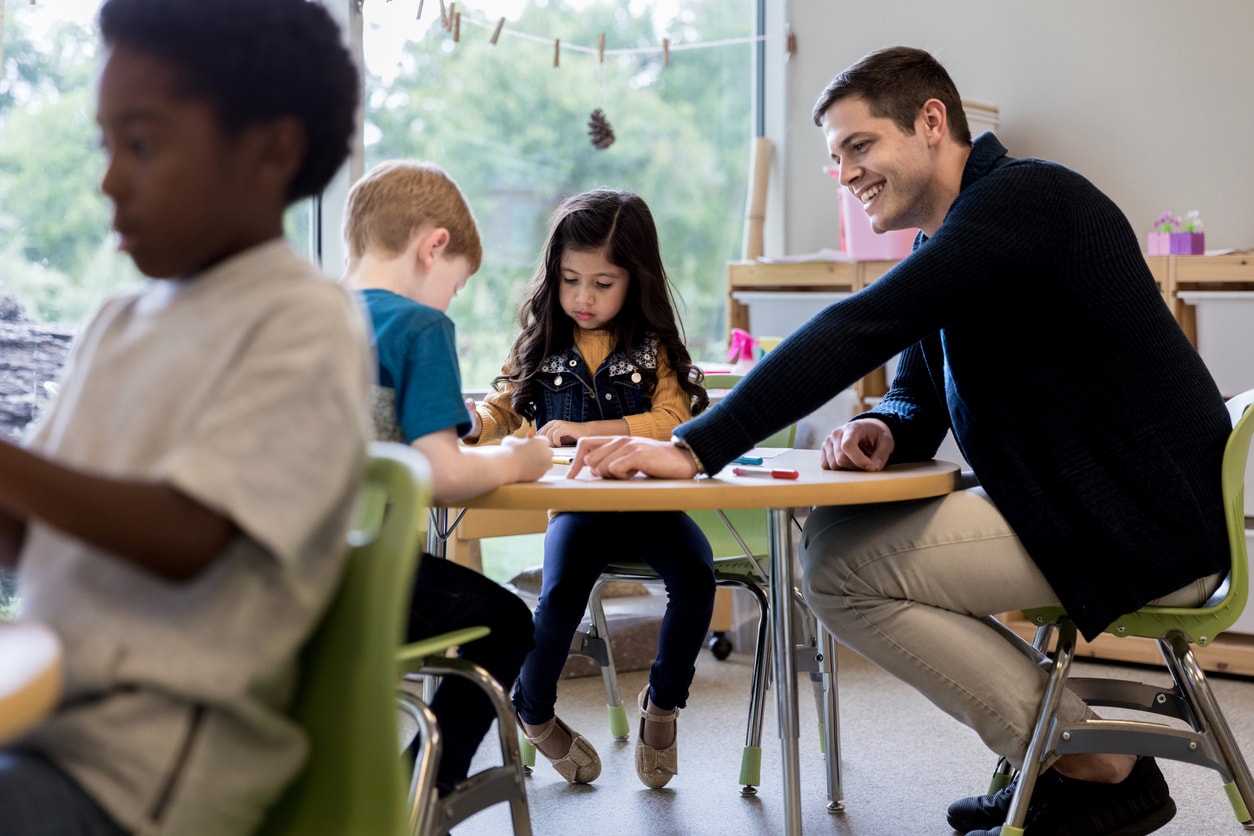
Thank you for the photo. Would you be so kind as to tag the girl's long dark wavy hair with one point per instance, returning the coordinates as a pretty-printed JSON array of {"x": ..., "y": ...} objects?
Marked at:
[{"x": 620, "y": 223}]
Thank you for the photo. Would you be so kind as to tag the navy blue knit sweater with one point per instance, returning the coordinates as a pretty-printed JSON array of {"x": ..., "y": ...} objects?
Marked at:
[{"x": 1029, "y": 324}]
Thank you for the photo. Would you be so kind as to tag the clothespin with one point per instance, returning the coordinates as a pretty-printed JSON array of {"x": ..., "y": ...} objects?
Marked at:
[
  {"x": 666, "y": 52},
  {"x": 496, "y": 33},
  {"x": 790, "y": 44},
  {"x": 601, "y": 48},
  {"x": 457, "y": 27},
  {"x": 557, "y": 51},
  {"x": 443, "y": 15},
  {"x": 419, "y": 15},
  {"x": 452, "y": 10}
]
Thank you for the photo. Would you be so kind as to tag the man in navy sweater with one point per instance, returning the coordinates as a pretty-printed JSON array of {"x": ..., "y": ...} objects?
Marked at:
[{"x": 1029, "y": 325}]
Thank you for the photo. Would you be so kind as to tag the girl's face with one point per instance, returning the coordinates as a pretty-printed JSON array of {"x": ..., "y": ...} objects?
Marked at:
[{"x": 592, "y": 289}]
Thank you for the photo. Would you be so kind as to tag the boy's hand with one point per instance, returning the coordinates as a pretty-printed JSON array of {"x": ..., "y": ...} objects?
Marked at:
[
  {"x": 476, "y": 426},
  {"x": 622, "y": 457},
  {"x": 864, "y": 444},
  {"x": 534, "y": 456}
]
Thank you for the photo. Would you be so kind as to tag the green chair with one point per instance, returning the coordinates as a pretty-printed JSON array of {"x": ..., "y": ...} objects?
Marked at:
[
  {"x": 1207, "y": 741},
  {"x": 353, "y": 781},
  {"x": 740, "y": 542},
  {"x": 430, "y": 814}
]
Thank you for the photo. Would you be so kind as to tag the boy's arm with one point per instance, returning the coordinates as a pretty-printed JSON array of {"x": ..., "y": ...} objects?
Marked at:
[
  {"x": 149, "y": 524},
  {"x": 460, "y": 472}
]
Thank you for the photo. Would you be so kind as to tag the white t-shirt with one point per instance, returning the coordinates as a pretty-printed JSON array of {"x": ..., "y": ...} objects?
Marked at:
[{"x": 246, "y": 388}]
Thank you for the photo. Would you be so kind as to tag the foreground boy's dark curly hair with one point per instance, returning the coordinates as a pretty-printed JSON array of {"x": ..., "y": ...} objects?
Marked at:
[{"x": 254, "y": 60}]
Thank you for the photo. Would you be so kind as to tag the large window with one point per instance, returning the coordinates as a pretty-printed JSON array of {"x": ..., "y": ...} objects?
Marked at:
[
  {"x": 513, "y": 129},
  {"x": 58, "y": 256}
]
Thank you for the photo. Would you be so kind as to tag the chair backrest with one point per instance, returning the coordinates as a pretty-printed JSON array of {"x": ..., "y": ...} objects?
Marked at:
[
  {"x": 353, "y": 782},
  {"x": 1203, "y": 624}
]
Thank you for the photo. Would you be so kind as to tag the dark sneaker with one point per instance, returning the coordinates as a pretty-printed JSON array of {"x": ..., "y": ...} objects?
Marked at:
[
  {"x": 983, "y": 811},
  {"x": 1062, "y": 806}
]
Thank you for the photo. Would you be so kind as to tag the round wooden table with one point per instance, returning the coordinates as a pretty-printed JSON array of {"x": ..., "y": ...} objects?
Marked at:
[
  {"x": 813, "y": 487},
  {"x": 30, "y": 676}
]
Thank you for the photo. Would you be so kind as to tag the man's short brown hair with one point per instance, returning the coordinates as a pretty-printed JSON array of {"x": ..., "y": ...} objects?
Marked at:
[
  {"x": 398, "y": 198},
  {"x": 894, "y": 83}
]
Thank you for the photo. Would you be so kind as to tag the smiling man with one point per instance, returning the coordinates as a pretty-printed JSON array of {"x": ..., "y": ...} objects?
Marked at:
[{"x": 1096, "y": 452}]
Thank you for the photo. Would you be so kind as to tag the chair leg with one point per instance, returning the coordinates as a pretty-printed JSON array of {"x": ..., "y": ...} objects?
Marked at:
[
  {"x": 751, "y": 756},
  {"x": 494, "y": 784},
  {"x": 1042, "y": 736},
  {"x": 1192, "y": 684},
  {"x": 619, "y": 728},
  {"x": 1003, "y": 772},
  {"x": 422, "y": 791},
  {"x": 829, "y": 736}
]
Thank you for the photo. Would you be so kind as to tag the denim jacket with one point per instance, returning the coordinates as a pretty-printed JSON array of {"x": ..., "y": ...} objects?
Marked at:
[{"x": 569, "y": 392}]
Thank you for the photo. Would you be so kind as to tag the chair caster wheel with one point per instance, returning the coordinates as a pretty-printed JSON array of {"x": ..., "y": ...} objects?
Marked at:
[{"x": 720, "y": 646}]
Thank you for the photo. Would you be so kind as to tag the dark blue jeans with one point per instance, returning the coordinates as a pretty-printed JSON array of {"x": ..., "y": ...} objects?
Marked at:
[
  {"x": 450, "y": 597},
  {"x": 38, "y": 799},
  {"x": 576, "y": 548}
]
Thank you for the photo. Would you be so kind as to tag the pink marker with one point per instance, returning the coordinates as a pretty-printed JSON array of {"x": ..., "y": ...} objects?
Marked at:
[{"x": 774, "y": 473}]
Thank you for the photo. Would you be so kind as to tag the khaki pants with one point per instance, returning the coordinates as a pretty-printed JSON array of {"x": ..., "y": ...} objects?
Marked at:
[{"x": 907, "y": 586}]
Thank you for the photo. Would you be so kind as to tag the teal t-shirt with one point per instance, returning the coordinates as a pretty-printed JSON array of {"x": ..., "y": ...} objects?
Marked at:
[{"x": 418, "y": 389}]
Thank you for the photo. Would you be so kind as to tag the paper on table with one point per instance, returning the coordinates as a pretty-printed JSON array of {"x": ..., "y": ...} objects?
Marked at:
[{"x": 767, "y": 452}]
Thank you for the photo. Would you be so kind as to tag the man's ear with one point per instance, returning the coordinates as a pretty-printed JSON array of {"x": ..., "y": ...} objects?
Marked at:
[
  {"x": 935, "y": 120},
  {"x": 430, "y": 241}
]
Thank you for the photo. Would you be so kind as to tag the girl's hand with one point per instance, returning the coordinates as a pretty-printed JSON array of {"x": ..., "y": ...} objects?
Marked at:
[
  {"x": 533, "y": 455},
  {"x": 622, "y": 457},
  {"x": 864, "y": 444},
  {"x": 476, "y": 426},
  {"x": 563, "y": 433}
]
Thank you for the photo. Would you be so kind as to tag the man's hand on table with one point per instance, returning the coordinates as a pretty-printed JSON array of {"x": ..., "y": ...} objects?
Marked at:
[
  {"x": 622, "y": 457},
  {"x": 864, "y": 444}
]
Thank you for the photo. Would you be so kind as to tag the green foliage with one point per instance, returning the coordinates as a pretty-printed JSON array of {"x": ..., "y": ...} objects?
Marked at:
[
  {"x": 57, "y": 253},
  {"x": 512, "y": 130}
]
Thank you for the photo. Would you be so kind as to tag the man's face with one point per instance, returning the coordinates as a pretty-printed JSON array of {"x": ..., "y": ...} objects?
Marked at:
[
  {"x": 889, "y": 171},
  {"x": 178, "y": 186}
]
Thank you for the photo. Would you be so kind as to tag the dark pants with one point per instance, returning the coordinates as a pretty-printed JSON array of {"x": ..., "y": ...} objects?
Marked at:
[
  {"x": 451, "y": 597},
  {"x": 38, "y": 799},
  {"x": 576, "y": 548}
]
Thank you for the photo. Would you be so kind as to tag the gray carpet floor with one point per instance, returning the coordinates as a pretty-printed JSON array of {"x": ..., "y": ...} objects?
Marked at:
[{"x": 903, "y": 762}]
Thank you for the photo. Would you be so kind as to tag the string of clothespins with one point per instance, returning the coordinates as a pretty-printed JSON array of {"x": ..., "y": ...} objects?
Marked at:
[{"x": 451, "y": 19}]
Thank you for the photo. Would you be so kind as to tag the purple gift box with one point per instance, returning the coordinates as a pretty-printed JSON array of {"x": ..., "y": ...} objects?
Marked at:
[{"x": 1177, "y": 243}]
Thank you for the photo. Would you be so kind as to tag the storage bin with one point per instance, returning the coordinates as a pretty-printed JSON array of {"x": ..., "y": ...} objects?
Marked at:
[
  {"x": 777, "y": 313},
  {"x": 1225, "y": 336},
  {"x": 1225, "y": 339}
]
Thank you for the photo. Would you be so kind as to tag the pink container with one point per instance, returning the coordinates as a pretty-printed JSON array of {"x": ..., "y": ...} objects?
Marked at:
[
  {"x": 858, "y": 240},
  {"x": 861, "y": 243}
]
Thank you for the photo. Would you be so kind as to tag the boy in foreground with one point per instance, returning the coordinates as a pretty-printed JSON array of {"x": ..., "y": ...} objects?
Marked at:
[
  {"x": 412, "y": 244},
  {"x": 178, "y": 515}
]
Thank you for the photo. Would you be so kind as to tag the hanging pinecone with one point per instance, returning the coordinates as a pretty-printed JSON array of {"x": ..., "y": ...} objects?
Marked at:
[{"x": 602, "y": 135}]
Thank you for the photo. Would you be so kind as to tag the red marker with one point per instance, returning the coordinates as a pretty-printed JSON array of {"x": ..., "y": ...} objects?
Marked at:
[{"x": 774, "y": 473}]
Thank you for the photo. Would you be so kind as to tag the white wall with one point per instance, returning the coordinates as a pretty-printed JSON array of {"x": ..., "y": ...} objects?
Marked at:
[{"x": 1152, "y": 100}]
